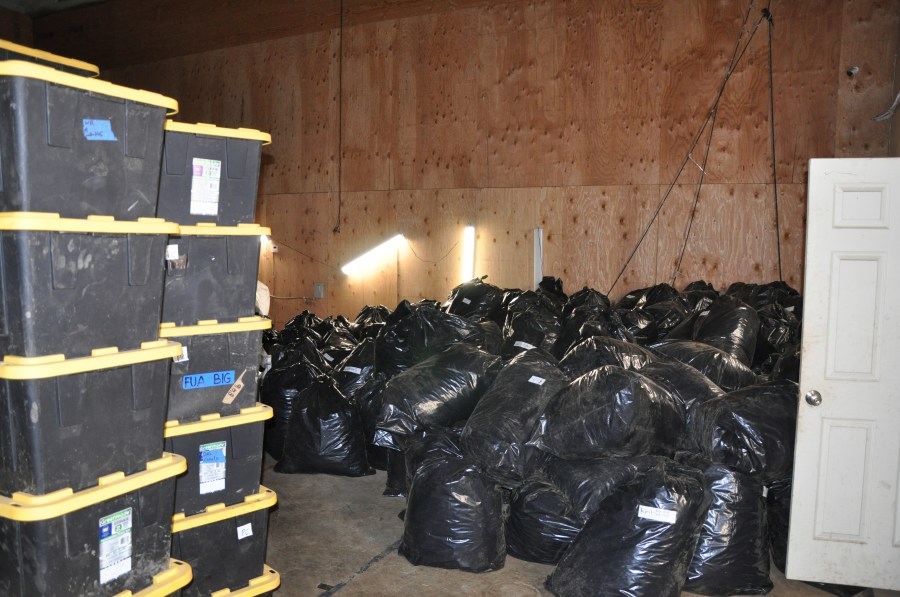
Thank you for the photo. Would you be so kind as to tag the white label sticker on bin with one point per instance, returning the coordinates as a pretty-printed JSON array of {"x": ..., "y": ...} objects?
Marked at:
[
  {"x": 171, "y": 252},
  {"x": 212, "y": 467},
  {"x": 183, "y": 356},
  {"x": 245, "y": 530},
  {"x": 657, "y": 514},
  {"x": 205, "y": 179},
  {"x": 538, "y": 381},
  {"x": 353, "y": 370},
  {"x": 525, "y": 345},
  {"x": 467, "y": 301},
  {"x": 115, "y": 545}
]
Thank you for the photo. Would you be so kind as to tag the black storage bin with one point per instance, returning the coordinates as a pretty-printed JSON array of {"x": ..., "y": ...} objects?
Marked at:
[
  {"x": 226, "y": 547},
  {"x": 216, "y": 373},
  {"x": 261, "y": 586},
  {"x": 78, "y": 146},
  {"x": 70, "y": 286},
  {"x": 66, "y": 422},
  {"x": 12, "y": 51},
  {"x": 211, "y": 273},
  {"x": 209, "y": 174},
  {"x": 112, "y": 537},
  {"x": 224, "y": 456}
]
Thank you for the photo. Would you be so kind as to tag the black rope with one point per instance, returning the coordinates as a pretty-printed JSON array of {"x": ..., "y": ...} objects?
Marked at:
[
  {"x": 690, "y": 224},
  {"x": 340, "y": 163},
  {"x": 736, "y": 56},
  {"x": 768, "y": 16}
]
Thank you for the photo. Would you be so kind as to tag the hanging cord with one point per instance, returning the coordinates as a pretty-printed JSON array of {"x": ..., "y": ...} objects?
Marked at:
[
  {"x": 690, "y": 224},
  {"x": 340, "y": 163},
  {"x": 736, "y": 56},
  {"x": 768, "y": 16},
  {"x": 416, "y": 255}
]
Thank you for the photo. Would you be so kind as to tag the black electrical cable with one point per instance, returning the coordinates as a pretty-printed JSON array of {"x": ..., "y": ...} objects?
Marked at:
[
  {"x": 768, "y": 16},
  {"x": 340, "y": 160},
  {"x": 736, "y": 56}
]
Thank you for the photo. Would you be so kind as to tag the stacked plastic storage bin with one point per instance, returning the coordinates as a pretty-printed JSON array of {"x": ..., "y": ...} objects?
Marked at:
[
  {"x": 86, "y": 491},
  {"x": 208, "y": 185}
]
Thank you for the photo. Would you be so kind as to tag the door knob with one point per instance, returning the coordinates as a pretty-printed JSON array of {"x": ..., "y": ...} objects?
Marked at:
[{"x": 813, "y": 398}]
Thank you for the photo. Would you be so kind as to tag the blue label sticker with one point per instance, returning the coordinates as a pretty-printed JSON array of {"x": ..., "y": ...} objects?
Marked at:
[
  {"x": 207, "y": 380},
  {"x": 105, "y": 531},
  {"x": 98, "y": 130}
]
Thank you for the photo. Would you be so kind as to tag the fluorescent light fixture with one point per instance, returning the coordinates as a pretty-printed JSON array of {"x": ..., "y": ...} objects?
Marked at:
[
  {"x": 468, "y": 253},
  {"x": 538, "y": 262},
  {"x": 368, "y": 259}
]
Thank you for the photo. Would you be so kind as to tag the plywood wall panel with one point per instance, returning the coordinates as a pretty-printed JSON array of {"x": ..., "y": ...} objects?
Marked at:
[
  {"x": 870, "y": 91},
  {"x": 569, "y": 116}
]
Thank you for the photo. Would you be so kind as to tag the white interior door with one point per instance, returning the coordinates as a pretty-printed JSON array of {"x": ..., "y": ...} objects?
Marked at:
[{"x": 845, "y": 515}]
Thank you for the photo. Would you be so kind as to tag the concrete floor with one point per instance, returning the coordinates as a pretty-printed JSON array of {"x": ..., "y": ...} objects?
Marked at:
[{"x": 339, "y": 536}]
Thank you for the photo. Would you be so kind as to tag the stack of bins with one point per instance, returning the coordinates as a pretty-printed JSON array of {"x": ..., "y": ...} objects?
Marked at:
[
  {"x": 208, "y": 185},
  {"x": 86, "y": 491}
]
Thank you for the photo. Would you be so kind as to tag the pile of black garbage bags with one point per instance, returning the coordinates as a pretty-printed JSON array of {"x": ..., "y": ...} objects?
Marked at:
[{"x": 644, "y": 447}]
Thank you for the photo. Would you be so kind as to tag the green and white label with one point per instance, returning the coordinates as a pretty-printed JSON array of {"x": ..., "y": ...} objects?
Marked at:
[
  {"x": 115, "y": 545},
  {"x": 205, "y": 179},
  {"x": 212, "y": 467}
]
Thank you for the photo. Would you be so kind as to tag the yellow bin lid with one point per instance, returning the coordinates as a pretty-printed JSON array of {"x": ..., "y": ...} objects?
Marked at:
[
  {"x": 36, "y": 221},
  {"x": 47, "y": 56},
  {"x": 175, "y": 577},
  {"x": 211, "y": 422},
  {"x": 206, "y": 327},
  {"x": 211, "y": 229},
  {"x": 211, "y": 130},
  {"x": 269, "y": 581},
  {"x": 266, "y": 498},
  {"x": 25, "y": 507},
  {"x": 20, "y": 68},
  {"x": 56, "y": 365}
]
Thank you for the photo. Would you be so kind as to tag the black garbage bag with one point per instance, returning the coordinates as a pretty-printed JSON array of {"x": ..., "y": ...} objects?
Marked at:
[
  {"x": 778, "y": 329},
  {"x": 668, "y": 314},
  {"x": 527, "y": 330},
  {"x": 787, "y": 366},
  {"x": 751, "y": 430},
  {"x": 586, "y": 300},
  {"x": 325, "y": 434},
  {"x": 539, "y": 527},
  {"x": 552, "y": 288},
  {"x": 396, "y": 483},
  {"x": 730, "y": 325},
  {"x": 356, "y": 368},
  {"x": 495, "y": 434},
  {"x": 732, "y": 553},
  {"x": 641, "y": 297},
  {"x": 641, "y": 540},
  {"x": 685, "y": 329},
  {"x": 609, "y": 412},
  {"x": 582, "y": 325},
  {"x": 454, "y": 515},
  {"x": 437, "y": 392},
  {"x": 699, "y": 295},
  {"x": 303, "y": 320},
  {"x": 721, "y": 368},
  {"x": 337, "y": 345},
  {"x": 270, "y": 339},
  {"x": 431, "y": 444},
  {"x": 640, "y": 325},
  {"x": 280, "y": 387},
  {"x": 759, "y": 295},
  {"x": 369, "y": 398},
  {"x": 492, "y": 337},
  {"x": 599, "y": 351},
  {"x": 303, "y": 345},
  {"x": 369, "y": 321},
  {"x": 682, "y": 381},
  {"x": 475, "y": 300},
  {"x": 412, "y": 333},
  {"x": 586, "y": 483}
]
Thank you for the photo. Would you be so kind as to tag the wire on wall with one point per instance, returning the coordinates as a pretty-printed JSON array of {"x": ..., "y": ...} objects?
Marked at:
[
  {"x": 340, "y": 157},
  {"x": 768, "y": 16},
  {"x": 739, "y": 49}
]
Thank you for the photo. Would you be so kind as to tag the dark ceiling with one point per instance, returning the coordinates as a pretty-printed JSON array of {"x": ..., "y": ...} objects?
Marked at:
[{"x": 37, "y": 8}]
